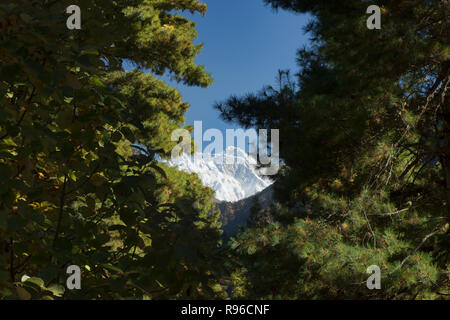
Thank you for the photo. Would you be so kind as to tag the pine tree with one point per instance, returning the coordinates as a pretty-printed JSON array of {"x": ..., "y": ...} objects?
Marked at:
[{"x": 364, "y": 138}]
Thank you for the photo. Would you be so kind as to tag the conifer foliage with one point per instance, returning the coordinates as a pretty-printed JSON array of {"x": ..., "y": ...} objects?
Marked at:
[{"x": 365, "y": 138}]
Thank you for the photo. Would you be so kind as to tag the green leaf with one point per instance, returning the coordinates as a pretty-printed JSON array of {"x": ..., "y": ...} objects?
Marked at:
[
  {"x": 110, "y": 267},
  {"x": 98, "y": 179},
  {"x": 25, "y": 17},
  {"x": 116, "y": 136},
  {"x": 57, "y": 290},
  {"x": 128, "y": 134},
  {"x": 37, "y": 281},
  {"x": 23, "y": 294}
]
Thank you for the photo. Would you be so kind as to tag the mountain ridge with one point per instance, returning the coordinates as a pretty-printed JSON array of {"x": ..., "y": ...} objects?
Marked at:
[
  {"x": 232, "y": 174},
  {"x": 234, "y": 215}
]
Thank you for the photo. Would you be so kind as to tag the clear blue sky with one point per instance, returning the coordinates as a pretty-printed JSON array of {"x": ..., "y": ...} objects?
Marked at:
[{"x": 245, "y": 44}]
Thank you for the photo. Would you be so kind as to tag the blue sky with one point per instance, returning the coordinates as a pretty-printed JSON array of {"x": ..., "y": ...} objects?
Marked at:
[{"x": 245, "y": 44}]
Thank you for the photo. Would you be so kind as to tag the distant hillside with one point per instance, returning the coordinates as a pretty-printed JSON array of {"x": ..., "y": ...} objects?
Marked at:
[{"x": 236, "y": 214}]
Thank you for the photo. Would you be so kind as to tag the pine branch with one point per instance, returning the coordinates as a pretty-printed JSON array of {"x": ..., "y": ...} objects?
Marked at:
[{"x": 418, "y": 247}]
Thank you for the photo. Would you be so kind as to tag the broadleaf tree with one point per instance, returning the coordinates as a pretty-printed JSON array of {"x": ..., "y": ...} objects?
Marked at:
[{"x": 80, "y": 137}]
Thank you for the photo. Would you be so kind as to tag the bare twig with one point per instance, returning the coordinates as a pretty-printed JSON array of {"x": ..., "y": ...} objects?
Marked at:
[
  {"x": 419, "y": 246},
  {"x": 390, "y": 213}
]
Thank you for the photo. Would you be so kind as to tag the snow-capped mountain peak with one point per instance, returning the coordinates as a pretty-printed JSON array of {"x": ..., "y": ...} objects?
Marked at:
[{"x": 232, "y": 173}]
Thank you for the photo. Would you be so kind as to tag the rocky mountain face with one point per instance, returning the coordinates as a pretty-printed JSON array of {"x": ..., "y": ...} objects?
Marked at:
[
  {"x": 234, "y": 215},
  {"x": 232, "y": 173}
]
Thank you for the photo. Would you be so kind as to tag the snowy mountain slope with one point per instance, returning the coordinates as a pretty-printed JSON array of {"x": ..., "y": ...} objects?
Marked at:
[{"x": 231, "y": 174}]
